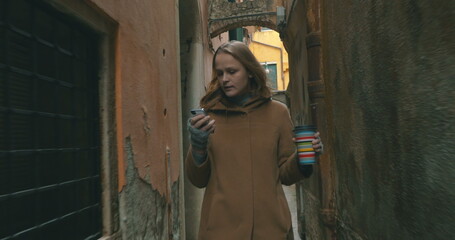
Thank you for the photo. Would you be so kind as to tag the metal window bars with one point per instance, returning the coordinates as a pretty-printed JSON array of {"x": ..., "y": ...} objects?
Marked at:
[{"x": 49, "y": 125}]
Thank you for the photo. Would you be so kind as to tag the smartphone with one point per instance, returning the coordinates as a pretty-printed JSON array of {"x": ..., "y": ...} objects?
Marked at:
[{"x": 197, "y": 111}]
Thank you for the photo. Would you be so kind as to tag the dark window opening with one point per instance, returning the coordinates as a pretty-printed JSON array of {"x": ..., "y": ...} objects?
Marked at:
[{"x": 49, "y": 125}]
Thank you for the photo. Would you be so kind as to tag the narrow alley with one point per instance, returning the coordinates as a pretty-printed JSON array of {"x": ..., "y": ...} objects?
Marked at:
[{"x": 95, "y": 100}]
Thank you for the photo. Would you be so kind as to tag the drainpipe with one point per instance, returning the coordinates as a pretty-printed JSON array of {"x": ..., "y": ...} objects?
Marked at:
[{"x": 281, "y": 57}]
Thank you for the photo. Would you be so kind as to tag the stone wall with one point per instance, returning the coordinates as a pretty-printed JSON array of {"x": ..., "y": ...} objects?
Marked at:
[
  {"x": 390, "y": 81},
  {"x": 226, "y": 15},
  {"x": 301, "y": 37}
]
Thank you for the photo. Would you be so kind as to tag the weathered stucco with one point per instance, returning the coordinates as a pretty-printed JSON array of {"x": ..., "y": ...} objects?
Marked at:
[
  {"x": 145, "y": 213},
  {"x": 301, "y": 37},
  {"x": 389, "y": 72},
  {"x": 147, "y": 90},
  {"x": 148, "y": 85}
]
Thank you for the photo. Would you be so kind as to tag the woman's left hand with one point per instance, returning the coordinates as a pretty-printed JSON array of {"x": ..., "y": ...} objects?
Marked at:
[{"x": 317, "y": 143}]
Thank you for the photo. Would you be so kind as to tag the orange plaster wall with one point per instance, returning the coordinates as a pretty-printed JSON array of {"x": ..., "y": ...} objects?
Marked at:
[{"x": 147, "y": 91}]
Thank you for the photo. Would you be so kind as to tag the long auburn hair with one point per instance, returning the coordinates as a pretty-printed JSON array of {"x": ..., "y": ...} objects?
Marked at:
[{"x": 257, "y": 83}]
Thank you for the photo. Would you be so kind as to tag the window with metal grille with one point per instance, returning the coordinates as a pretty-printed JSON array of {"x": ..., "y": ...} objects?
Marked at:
[{"x": 49, "y": 125}]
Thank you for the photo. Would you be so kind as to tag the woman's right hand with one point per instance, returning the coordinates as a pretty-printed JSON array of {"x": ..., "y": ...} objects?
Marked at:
[
  {"x": 203, "y": 123},
  {"x": 200, "y": 127}
]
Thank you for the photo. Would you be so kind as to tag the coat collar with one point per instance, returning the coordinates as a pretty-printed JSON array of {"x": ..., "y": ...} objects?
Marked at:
[{"x": 252, "y": 104}]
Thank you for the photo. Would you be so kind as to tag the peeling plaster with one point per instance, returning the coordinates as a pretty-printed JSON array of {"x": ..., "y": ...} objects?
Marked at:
[{"x": 144, "y": 212}]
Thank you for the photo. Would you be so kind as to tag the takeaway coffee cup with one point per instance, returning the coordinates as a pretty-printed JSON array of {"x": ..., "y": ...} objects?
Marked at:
[{"x": 304, "y": 135}]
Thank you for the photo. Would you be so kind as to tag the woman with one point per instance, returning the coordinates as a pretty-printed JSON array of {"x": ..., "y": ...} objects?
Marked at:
[{"x": 243, "y": 160}]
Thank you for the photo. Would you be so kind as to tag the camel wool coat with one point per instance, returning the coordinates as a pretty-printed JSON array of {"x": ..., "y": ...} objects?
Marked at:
[{"x": 249, "y": 156}]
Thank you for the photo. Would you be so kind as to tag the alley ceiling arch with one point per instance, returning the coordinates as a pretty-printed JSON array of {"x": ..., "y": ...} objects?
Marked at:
[{"x": 225, "y": 15}]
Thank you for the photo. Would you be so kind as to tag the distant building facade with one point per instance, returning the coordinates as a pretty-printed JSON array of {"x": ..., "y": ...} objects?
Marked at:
[{"x": 268, "y": 48}]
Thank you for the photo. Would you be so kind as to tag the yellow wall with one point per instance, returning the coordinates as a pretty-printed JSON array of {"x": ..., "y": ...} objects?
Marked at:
[{"x": 266, "y": 47}]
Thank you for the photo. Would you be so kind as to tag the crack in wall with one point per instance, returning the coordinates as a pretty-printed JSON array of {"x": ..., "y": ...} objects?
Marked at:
[{"x": 147, "y": 128}]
